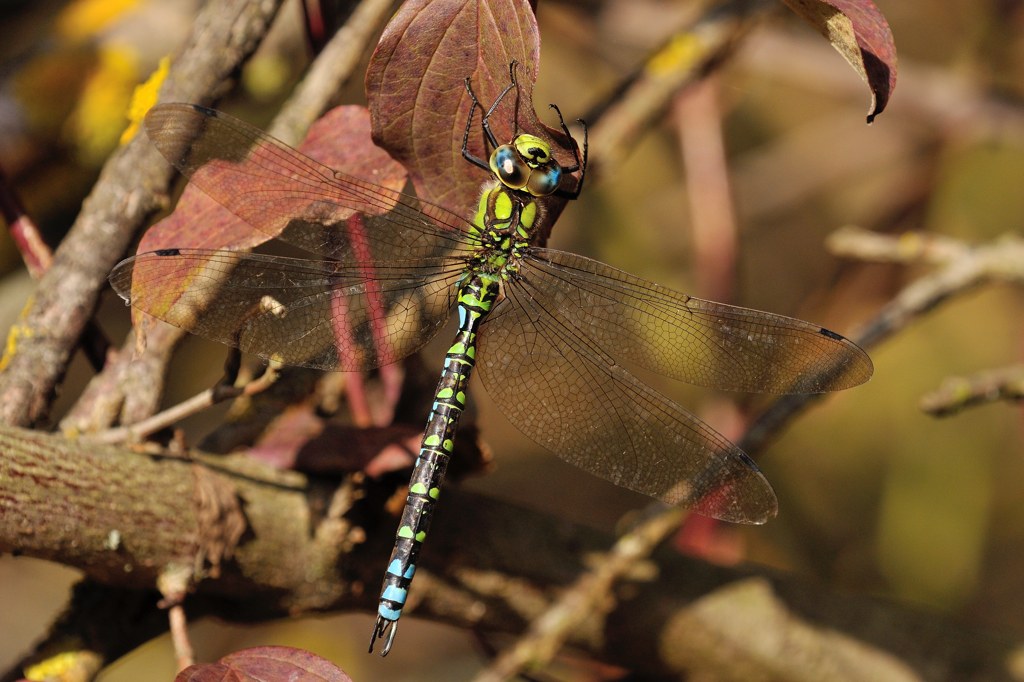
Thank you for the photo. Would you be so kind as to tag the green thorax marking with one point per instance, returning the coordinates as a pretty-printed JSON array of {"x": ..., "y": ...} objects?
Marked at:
[{"x": 503, "y": 226}]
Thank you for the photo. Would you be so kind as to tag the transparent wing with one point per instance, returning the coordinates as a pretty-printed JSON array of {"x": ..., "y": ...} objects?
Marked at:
[
  {"x": 284, "y": 194},
  {"x": 300, "y": 312},
  {"x": 562, "y": 390},
  {"x": 386, "y": 262},
  {"x": 687, "y": 338}
]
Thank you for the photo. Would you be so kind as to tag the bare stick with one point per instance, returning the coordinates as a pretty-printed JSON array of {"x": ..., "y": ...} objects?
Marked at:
[{"x": 138, "y": 431}]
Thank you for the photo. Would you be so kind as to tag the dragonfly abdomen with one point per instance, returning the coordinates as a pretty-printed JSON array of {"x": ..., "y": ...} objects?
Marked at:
[{"x": 477, "y": 295}]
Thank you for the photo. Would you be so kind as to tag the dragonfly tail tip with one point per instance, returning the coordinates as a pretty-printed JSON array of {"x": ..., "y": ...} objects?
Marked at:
[{"x": 386, "y": 629}]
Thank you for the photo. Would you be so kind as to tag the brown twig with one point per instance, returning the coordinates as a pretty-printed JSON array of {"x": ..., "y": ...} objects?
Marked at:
[
  {"x": 38, "y": 258},
  {"x": 138, "y": 431},
  {"x": 712, "y": 216},
  {"x": 330, "y": 70},
  {"x": 174, "y": 584},
  {"x": 687, "y": 57},
  {"x": 588, "y": 599},
  {"x": 962, "y": 267},
  {"x": 30, "y": 243}
]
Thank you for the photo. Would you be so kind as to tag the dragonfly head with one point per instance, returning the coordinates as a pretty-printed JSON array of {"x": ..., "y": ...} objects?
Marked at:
[{"x": 527, "y": 165}]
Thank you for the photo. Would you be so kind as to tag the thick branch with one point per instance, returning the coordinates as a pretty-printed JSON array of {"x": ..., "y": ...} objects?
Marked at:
[{"x": 488, "y": 565}]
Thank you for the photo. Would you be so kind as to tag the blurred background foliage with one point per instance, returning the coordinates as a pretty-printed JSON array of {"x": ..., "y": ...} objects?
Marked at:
[{"x": 875, "y": 496}]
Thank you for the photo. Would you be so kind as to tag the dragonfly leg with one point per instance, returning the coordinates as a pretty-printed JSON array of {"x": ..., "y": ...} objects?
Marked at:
[
  {"x": 512, "y": 84},
  {"x": 386, "y": 629},
  {"x": 466, "y": 154},
  {"x": 486, "y": 125},
  {"x": 581, "y": 164}
]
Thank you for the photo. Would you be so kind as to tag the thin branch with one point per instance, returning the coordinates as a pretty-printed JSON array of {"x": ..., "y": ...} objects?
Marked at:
[
  {"x": 959, "y": 393},
  {"x": 184, "y": 655},
  {"x": 38, "y": 259},
  {"x": 589, "y": 598},
  {"x": 907, "y": 248},
  {"x": 34, "y": 251},
  {"x": 174, "y": 585},
  {"x": 332, "y": 68},
  {"x": 712, "y": 214},
  {"x": 960, "y": 269},
  {"x": 687, "y": 57},
  {"x": 138, "y": 431}
]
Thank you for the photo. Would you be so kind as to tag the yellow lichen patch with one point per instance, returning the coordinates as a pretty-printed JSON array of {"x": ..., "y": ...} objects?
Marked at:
[
  {"x": 67, "y": 665},
  {"x": 143, "y": 99},
  {"x": 96, "y": 124},
  {"x": 19, "y": 330},
  {"x": 679, "y": 53}
]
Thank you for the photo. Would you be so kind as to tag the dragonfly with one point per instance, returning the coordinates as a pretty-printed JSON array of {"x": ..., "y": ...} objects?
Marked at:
[{"x": 552, "y": 333}]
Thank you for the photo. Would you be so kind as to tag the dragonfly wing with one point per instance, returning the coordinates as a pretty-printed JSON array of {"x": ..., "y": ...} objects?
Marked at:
[
  {"x": 318, "y": 314},
  {"x": 563, "y": 391},
  {"x": 687, "y": 338},
  {"x": 285, "y": 194}
]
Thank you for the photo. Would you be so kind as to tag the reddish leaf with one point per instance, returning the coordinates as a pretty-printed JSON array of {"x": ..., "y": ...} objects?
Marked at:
[
  {"x": 857, "y": 29},
  {"x": 415, "y": 85},
  {"x": 374, "y": 450},
  {"x": 286, "y": 435},
  {"x": 339, "y": 139},
  {"x": 262, "y": 664}
]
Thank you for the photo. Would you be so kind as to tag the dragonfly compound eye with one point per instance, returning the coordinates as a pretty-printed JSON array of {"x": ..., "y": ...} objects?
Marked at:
[
  {"x": 544, "y": 181},
  {"x": 510, "y": 167}
]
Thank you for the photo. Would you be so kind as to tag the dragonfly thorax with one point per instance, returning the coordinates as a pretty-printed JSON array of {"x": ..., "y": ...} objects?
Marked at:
[{"x": 503, "y": 226}]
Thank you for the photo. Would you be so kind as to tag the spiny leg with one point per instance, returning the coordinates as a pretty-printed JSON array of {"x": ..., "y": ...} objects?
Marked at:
[
  {"x": 485, "y": 123},
  {"x": 580, "y": 165},
  {"x": 513, "y": 84},
  {"x": 466, "y": 154}
]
